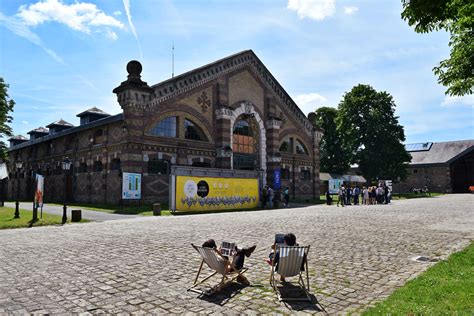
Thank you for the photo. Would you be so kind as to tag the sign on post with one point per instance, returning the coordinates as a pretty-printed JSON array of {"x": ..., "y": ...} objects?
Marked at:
[
  {"x": 132, "y": 186},
  {"x": 39, "y": 191}
]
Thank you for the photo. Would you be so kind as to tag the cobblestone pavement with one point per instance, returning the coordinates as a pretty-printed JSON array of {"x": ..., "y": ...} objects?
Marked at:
[
  {"x": 87, "y": 214},
  {"x": 358, "y": 256}
]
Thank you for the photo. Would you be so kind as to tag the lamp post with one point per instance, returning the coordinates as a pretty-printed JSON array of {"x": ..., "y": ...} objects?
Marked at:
[
  {"x": 18, "y": 165},
  {"x": 66, "y": 165}
]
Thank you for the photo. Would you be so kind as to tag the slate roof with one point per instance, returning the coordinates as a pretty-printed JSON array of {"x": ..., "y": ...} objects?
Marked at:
[
  {"x": 61, "y": 122},
  {"x": 441, "y": 153},
  {"x": 41, "y": 130},
  {"x": 93, "y": 110},
  {"x": 18, "y": 137}
]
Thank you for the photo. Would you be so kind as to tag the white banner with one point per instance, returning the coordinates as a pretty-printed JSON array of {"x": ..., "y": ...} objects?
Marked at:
[
  {"x": 131, "y": 186},
  {"x": 334, "y": 185},
  {"x": 39, "y": 191},
  {"x": 3, "y": 171}
]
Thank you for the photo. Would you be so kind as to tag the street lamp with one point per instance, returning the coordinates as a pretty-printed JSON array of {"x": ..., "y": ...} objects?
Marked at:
[
  {"x": 18, "y": 165},
  {"x": 66, "y": 165}
]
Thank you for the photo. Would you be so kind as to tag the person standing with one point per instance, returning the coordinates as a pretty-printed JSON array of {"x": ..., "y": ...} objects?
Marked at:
[
  {"x": 341, "y": 196},
  {"x": 264, "y": 196},
  {"x": 365, "y": 196},
  {"x": 271, "y": 195},
  {"x": 356, "y": 193},
  {"x": 286, "y": 196}
]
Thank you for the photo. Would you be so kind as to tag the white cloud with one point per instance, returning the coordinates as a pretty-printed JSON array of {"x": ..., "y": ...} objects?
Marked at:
[
  {"x": 310, "y": 101},
  {"x": 79, "y": 16},
  {"x": 111, "y": 34},
  {"x": 350, "y": 10},
  {"x": 25, "y": 122},
  {"x": 313, "y": 9},
  {"x": 17, "y": 26},
  {"x": 117, "y": 13},
  {"x": 126, "y": 5},
  {"x": 466, "y": 100}
]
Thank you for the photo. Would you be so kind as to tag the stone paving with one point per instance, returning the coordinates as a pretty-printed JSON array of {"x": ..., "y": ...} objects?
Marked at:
[{"x": 358, "y": 256}]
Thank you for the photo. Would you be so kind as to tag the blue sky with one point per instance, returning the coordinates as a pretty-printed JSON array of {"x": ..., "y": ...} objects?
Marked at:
[{"x": 61, "y": 57}]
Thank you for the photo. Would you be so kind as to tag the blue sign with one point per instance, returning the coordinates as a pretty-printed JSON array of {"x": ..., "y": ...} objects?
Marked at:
[{"x": 276, "y": 179}]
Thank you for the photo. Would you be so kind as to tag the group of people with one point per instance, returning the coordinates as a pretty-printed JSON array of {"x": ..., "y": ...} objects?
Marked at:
[
  {"x": 350, "y": 195},
  {"x": 268, "y": 196},
  {"x": 239, "y": 256}
]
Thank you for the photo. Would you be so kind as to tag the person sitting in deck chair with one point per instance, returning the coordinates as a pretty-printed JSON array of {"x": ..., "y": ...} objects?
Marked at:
[
  {"x": 237, "y": 260},
  {"x": 273, "y": 257}
]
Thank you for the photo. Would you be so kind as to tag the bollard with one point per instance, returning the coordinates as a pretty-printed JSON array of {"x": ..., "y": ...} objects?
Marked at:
[
  {"x": 156, "y": 209},
  {"x": 76, "y": 215}
]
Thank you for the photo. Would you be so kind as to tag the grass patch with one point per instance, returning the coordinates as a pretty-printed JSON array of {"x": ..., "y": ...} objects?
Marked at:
[
  {"x": 445, "y": 288},
  {"x": 7, "y": 221},
  {"x": 142, "y": 209}
]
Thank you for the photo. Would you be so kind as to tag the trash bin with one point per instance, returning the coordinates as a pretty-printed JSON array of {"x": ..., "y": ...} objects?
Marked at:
[
  {"x": 76, "y": 216},
  {"x": 156, "y": 209}
]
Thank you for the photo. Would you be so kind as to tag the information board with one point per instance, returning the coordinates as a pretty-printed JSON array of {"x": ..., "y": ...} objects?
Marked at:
[
  {"x": 132, "y": 186},
  {"x": 334, "y": 185}
]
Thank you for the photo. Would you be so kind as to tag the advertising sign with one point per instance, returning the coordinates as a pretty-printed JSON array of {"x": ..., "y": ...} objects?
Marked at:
[
  {"x": 277, "y": 179},
  {"x": 131, "y": 186},
  {"x": 208, "y": 193},
  {"x": 334, "y": 185},
  {"x": 39, "y": 191}
]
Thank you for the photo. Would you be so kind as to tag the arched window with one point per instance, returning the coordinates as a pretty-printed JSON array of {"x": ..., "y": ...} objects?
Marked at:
[
  {"x": 166, "y": 127},
  {"x": 243, "y": 138},
  {"x": 194, "y": 132},
  {"x": 300, "y": 148},
  {"x": 115, "y": 164},
  {"x": 285, "y": 146},
  {"x": 158, "y": 166},
  {"x": 97, "y": 166}
]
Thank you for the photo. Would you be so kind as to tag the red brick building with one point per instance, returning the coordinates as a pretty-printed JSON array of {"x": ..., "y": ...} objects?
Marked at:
[{"x": 230, "y": 114}]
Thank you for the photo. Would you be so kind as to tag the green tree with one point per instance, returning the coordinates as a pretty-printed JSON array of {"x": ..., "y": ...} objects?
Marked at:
[
  {"x": 371, "y": 134},
  {"x": 6, "y": 106},
  {"x": 333, "y": 157},
  {"x": 457, "y": 17}
]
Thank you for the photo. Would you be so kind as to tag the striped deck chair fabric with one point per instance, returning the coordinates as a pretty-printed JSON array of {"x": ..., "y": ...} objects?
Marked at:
[
  {"x": 219, "y": 265},
  {"x": 291, "y": 261}
]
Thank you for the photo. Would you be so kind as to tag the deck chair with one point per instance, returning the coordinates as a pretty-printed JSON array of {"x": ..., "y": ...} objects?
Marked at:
[
  {"x": 220, "y": 265},
  {"x": 290, "y": 261}
]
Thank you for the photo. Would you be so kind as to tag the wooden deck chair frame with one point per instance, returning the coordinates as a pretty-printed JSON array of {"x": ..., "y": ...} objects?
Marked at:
[
  {"x": 299, "y": 273},
  {"x": 220, "y": 265}
]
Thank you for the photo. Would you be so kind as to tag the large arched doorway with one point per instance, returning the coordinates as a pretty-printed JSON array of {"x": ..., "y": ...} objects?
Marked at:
[{"x": 245, "y": 144}]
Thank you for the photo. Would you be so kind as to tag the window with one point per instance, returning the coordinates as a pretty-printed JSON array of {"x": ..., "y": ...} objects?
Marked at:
[
  {"x": 285, "y": 146},
  {"x": 97, "y": 166},
  {"x": 415, "y": 170},
  {"x": 305, "y": 175},
  {"x": 69, "y": 142},
  {"x": 115, "y": 164},
  {"x": 300, "y": 148},
  {"x": 166, "y": 127},
  {"x": 285, "y": 173},
  {"x": 243, "y": 139},
  {"x": 158, "y": 166},
  {"x": 58, "y": 170},
  {"x": 82, "y": 167},
  {"x": 192, "y": 131}
]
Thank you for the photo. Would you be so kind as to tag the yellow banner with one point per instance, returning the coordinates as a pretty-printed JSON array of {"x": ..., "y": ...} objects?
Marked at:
[{"x": 203, "y": 193}]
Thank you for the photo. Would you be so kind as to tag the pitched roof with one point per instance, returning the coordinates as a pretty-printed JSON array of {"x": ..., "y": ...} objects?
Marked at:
[
  {"x": 40, "y": 130},
  {"x": 94, "y": 110},
  {"x": 60, "y": 122},
  {"x": 189, "y": 80},
  {"x": 443, "y": 152},
  {"x": 18, "y": 137}
]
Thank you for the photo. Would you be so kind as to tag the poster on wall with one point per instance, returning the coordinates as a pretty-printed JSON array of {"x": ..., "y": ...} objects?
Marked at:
[
  {"x": 208, "y": 193},
  {"x": 132, "y": 186},
  {"x": 277, "y": 179},
  {"x": 39, "y": 191},
  {"x": 334, "y": 185}
]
